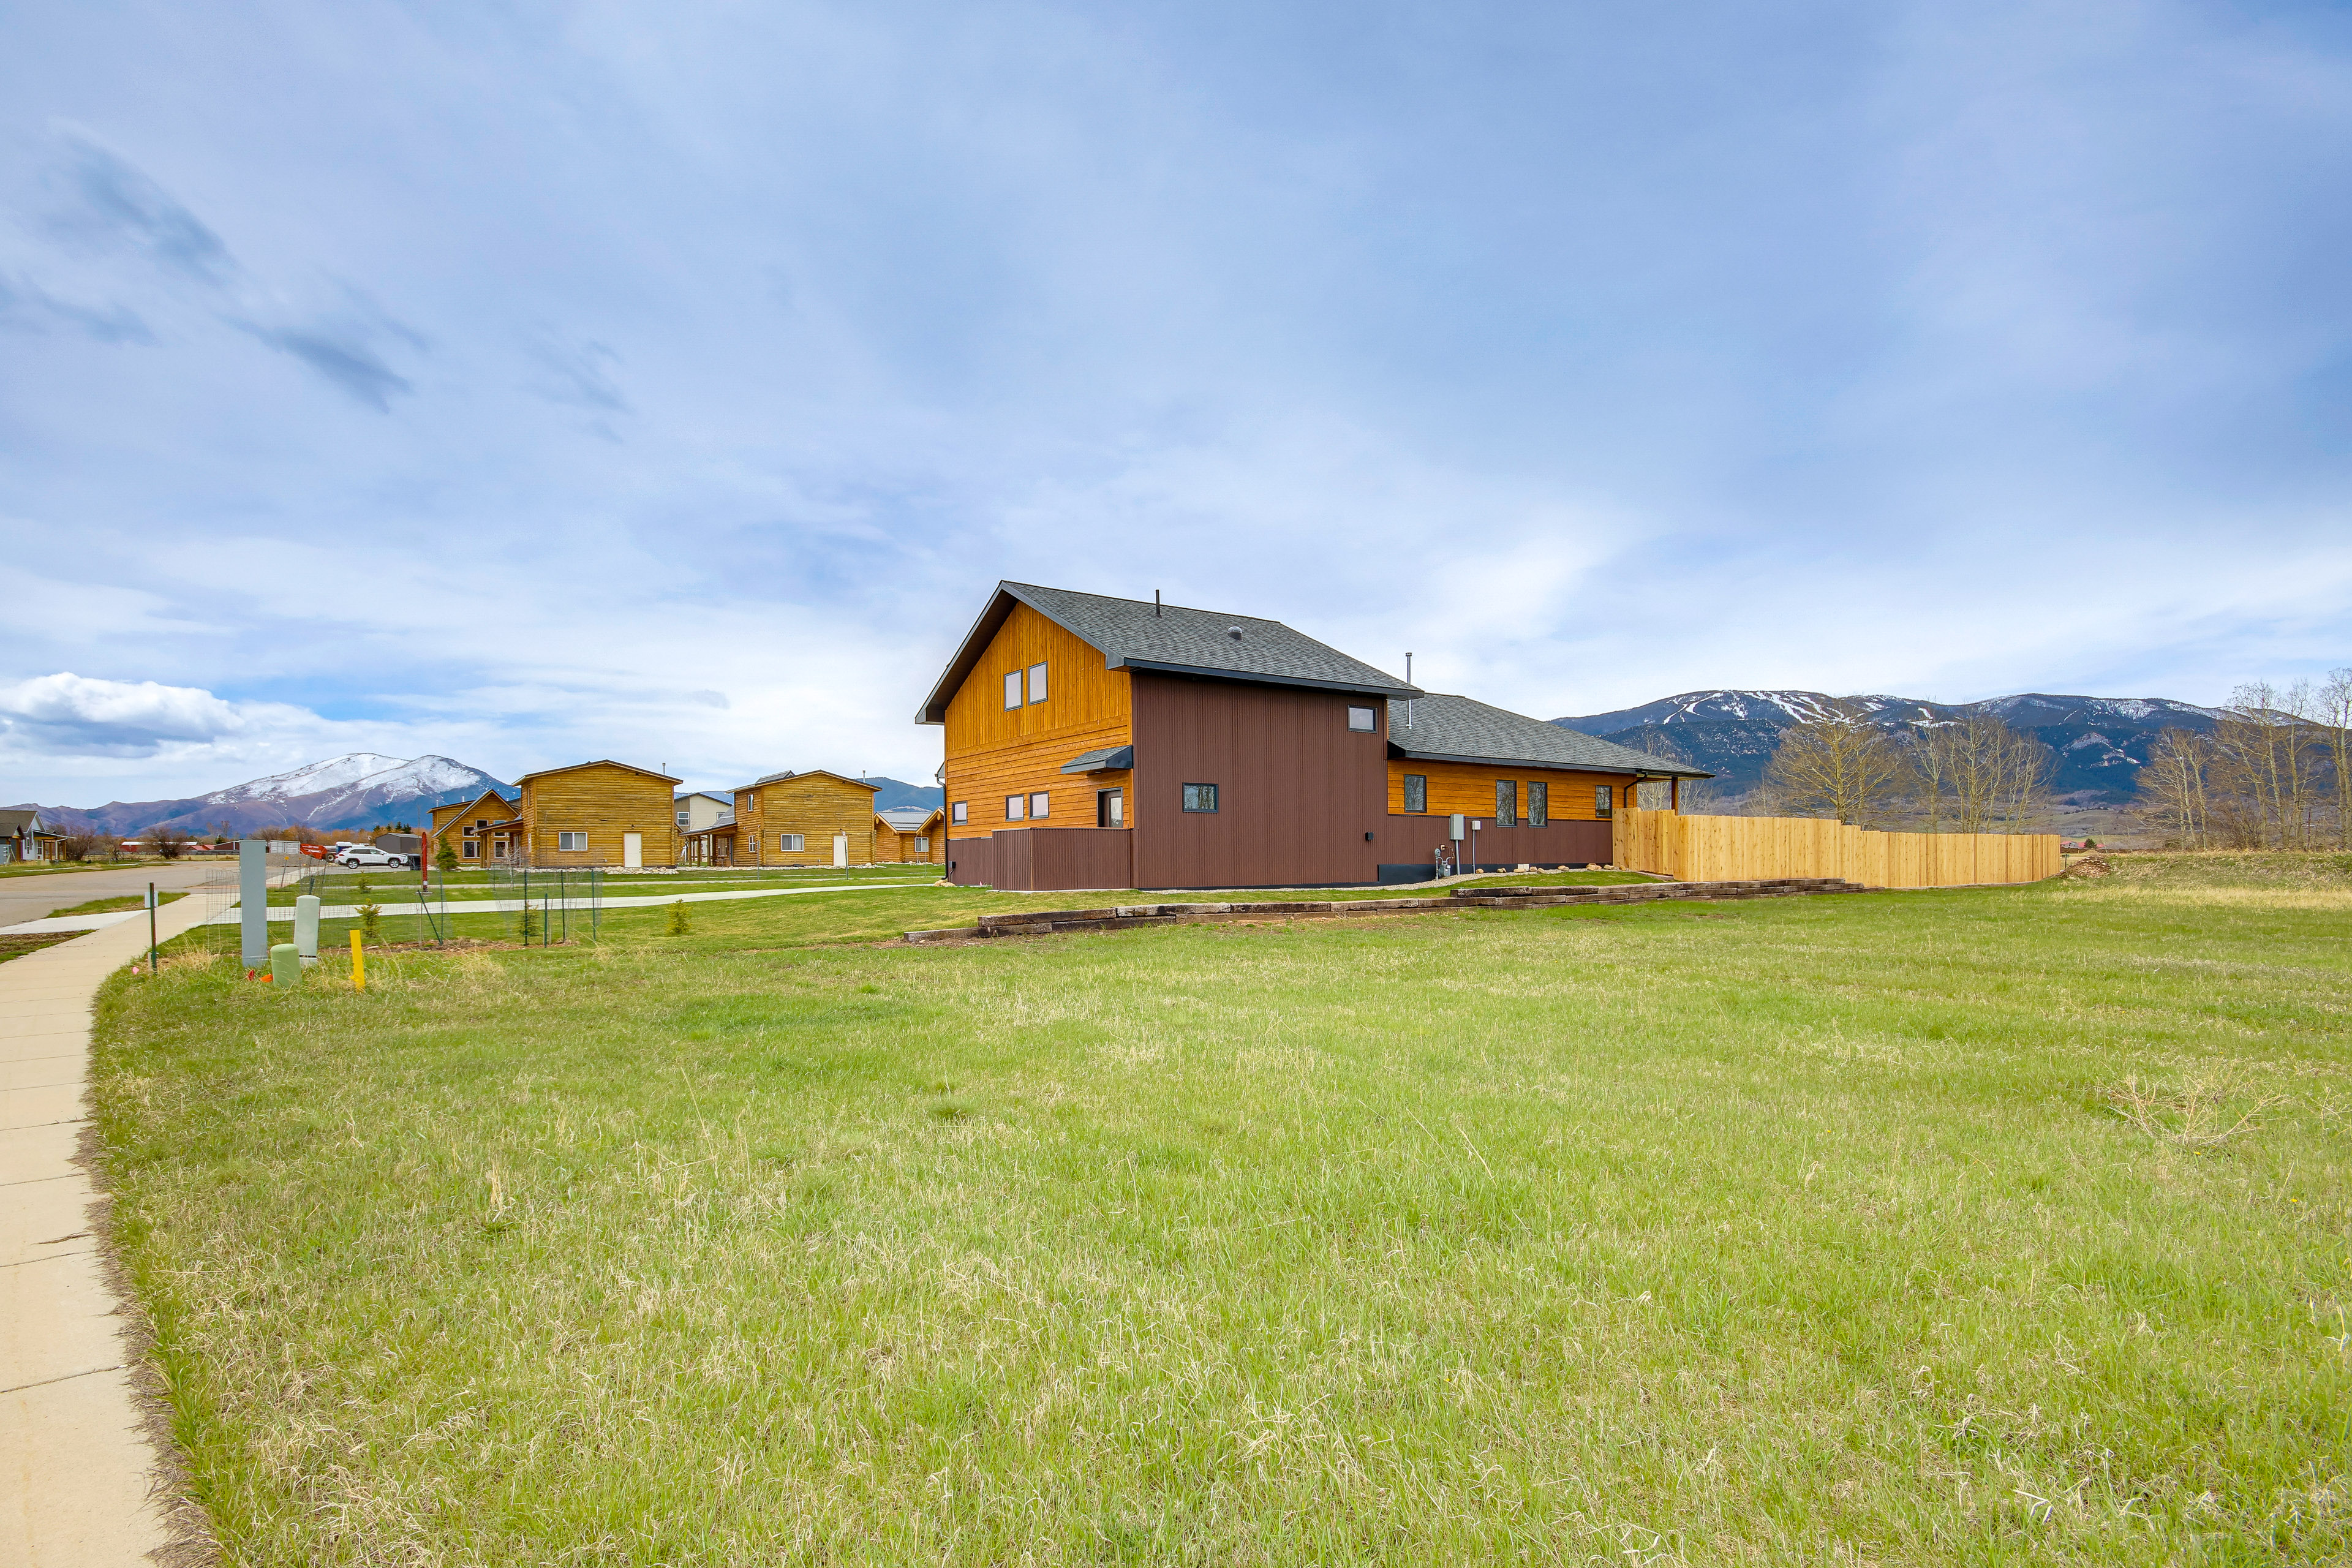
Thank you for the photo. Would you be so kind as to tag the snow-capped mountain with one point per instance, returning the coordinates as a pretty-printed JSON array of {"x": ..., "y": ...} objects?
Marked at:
[
  {"x": 2102, "y": 741},
  {"x": 359, "y": 790}
]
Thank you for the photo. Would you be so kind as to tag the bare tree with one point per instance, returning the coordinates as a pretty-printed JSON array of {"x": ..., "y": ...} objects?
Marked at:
[
  {"x": 2335, "y": 716},
  {"x": 1695, "y": 795},
  {"x": 1982, "y": 776},
  {"x": 171, "y": 843},
  {"x": 81, "y": 844},
  {"x": 1840, "y": 764},
  {"x": 2263, "y": 783},
  {"x": 2173, "y": 787}
]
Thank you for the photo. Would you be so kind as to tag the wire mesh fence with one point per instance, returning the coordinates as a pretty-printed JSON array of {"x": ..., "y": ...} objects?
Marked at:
[{"x": 544, "y": 908}]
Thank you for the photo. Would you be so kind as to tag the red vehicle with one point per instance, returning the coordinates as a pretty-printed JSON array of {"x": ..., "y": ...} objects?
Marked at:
[{"x": 315, "y": 851}]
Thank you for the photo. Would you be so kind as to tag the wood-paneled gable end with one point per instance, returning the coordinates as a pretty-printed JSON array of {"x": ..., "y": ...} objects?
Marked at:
[
  {"x": 996, "y": 751},
  {"x": 604, "y": 802}
]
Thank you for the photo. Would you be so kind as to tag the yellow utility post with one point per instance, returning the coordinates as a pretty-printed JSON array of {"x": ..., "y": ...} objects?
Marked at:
[{"x": 358, "y": 963}]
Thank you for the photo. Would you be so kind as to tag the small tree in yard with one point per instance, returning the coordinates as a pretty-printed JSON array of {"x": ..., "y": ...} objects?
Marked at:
[
  {"x": 371, "y": 924},
  {"x": 81, "y": 845},
  {"x": 446, "y": 860},
  {"x": 171, "y": 843},
  {"x": 678, "y": 924},
  {"x": 1839, "y": 765}
]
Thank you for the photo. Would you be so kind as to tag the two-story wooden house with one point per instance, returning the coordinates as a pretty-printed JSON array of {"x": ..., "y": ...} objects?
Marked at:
[
  {"x": 812, "y": 818},
  {"x": 1102, "y": 742},
  {"x": 598, "y": 813}
]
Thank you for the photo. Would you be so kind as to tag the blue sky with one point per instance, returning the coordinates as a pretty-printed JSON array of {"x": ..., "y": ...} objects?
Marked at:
[{"x": 531, "y": 383}]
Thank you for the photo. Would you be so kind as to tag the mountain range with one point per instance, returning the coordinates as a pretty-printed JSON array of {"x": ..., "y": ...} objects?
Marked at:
[
  {"x": 363, "y": 789},
  {"x": 359, "y": 790},
  {"x": 2102, "y": 742}
]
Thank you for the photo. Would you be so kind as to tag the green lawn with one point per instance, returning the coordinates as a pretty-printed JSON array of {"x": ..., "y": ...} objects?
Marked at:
[
  {"x": 112, "y": 905},
  {"x": 1803, "y": 1231}
]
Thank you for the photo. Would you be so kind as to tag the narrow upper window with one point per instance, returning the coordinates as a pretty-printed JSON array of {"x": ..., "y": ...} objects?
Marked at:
[
  {"x": 1036, "y": 683},
  {"x": 573, "y": 842},
  {"x": 1416, "y": 792},
  {"x": 1605, "y": 797},
  {"x": 1012, "y": 804},
  {"x": 961, "y": 812},
  {"x": 1040, "y": 805},
  {"x": 1012, "y": 689},
  {"x": 1362, "y": 719},
  {"x": 1539, "y": 803},
  {"x": 1200, "y": 797},
  {"x": 1507, "y": 802},
  {"x": 792, "y": 843}
]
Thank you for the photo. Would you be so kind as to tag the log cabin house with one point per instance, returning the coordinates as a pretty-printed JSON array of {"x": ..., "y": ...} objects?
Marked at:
[
  {"x": 812, "y": 818},
  {"x": 911, "y": 834},
  {"x": 598, "y": 813},
  {"x": 1102, "y": 742},
  {"x": 477, "y": 831}
]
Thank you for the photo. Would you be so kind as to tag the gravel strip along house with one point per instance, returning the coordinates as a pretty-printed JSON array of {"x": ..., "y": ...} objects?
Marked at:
[{"x": 1103, "y": 743}]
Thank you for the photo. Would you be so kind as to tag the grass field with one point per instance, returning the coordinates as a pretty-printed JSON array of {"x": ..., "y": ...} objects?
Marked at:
[
  {"x": 119, "y": 902},
  {"x": 1968, "y": 1227}
]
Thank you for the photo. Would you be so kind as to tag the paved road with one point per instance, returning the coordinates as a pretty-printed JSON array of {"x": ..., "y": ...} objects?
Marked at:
[{"x": 30, "y": 897}]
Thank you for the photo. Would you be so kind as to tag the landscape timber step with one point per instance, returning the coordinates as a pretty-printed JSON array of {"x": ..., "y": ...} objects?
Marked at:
[{"x": 1132, "y": 917}]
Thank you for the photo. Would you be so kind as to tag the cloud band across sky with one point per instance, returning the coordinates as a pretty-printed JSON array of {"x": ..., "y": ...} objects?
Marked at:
[{"x": 560, "y": 381}]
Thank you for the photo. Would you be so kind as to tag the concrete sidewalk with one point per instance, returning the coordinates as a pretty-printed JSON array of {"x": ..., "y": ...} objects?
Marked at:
[{"x": 76, "y": 1464}]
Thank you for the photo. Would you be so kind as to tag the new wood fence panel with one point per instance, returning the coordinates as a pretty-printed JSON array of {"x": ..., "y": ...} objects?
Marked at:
[{"x": 1748, "y": 848}]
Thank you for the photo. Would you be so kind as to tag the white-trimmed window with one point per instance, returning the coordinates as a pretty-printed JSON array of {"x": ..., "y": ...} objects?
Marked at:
[
  {"x": 469, "y": 849},
  {"x": 1012, "y": 804},
  {"x": 1362, "y": 719},
  {"x": 1012, "y": 689},
  {"x": 922, "y": 846},
  {"x": 792, "y": 843},
  {"x": 572, "y": 842},
  {"x": 1040, "y": 805},
  {"x": 682, "y": 817},
  {"x": 961, "y": 812},
  {"x": 1036, "y": 683}
]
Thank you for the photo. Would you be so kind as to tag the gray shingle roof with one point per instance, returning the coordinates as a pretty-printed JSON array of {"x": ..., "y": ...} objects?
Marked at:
[
  {"x": 1456, "y": 730},
  {"x": 21, "y": 819},
  {"x": 1133, "y": 634},
  {"x": 908, "y": 819}
]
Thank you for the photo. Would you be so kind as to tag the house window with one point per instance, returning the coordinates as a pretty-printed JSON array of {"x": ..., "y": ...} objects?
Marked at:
[
  {"x": 960, "y": 813},
  {"x": 1036, "y": 683},
  {"x": 1200, "y": 797},
  {"x": 792, "y": 843},
  {"x": 681, "y": 818},
  {"x": 1507, "y": 802},
  {"x": 1040, "y": 805},
  {"x": 572, "y": 842},
  {"x": 1539, "y": 803},
  {"x": 922, "y": 846},
  {"x": 1362, "y": 719},
  {"x": 1604, "y": 798},
  {"x": 470, "y": 848},
  {"x": 1110, "y": 808},
  {"x": 1012, "y": 804},
  {"x": 1012, "y": 689},
  {"x": 1416, "y": 792}
]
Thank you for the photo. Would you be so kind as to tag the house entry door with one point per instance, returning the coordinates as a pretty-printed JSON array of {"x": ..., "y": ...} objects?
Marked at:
[
  {"x": 633, "y": 849},
  {"x": 841, "y": 849}
]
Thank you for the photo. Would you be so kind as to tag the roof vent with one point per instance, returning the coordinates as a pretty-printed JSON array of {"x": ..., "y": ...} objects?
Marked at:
[{"x": 1234, "y": 633}]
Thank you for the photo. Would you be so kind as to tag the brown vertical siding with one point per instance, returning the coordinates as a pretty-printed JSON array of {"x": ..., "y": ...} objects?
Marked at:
[
  {"x": 1034, "y": 860},
  {"x": 1297, "y": 790}
]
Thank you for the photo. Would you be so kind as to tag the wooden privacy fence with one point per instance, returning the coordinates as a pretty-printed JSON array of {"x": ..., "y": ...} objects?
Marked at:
[{"x": 1754, "y": 848}]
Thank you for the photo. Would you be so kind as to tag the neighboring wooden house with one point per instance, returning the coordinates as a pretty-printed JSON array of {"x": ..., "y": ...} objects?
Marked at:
[
  {"x": 1100, "y": 742},
  {"x": 24, "y": 836},
  {"x": 911, "y": 834},
  {"x": 477, "y": 831},
  {"x": 599, "y": 813},
  {"x": 813, "y": 818},
  {"x": 702, "y": 810}
]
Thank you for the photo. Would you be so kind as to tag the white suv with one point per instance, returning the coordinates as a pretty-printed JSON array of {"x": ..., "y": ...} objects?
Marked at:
[{"x": 369, "y": 855}]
